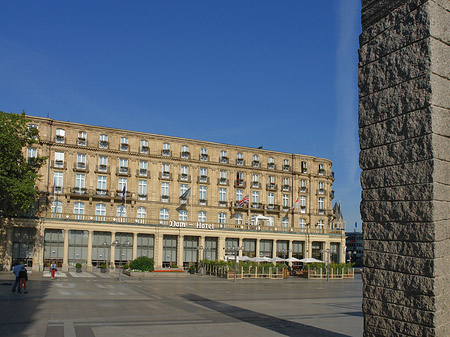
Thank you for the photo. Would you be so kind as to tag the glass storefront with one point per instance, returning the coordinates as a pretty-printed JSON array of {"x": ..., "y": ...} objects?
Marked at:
[
  {"x": 101, "y": 248},
  {"x": 265, "y": 248},
  {"x": 78, "y": 246},
  {"x": 169, "y": 251},
  {"x": 23, "y": 245},
  {"x": 53, "y": 247},
  {"x": 249, "y": 247}
]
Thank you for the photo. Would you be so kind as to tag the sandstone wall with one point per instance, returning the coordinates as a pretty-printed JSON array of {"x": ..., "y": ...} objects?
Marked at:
[{"x": 404, "y": 128}]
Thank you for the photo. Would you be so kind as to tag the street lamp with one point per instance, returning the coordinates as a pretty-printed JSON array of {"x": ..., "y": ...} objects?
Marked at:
[
  {"x": 327, "y": 261},
  {"x": 235, "y": 250},
  {"x": 116, "y": 243}
]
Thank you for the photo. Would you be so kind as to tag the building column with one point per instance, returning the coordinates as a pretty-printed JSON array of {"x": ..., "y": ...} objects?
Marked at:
[
  {"x": 308, "y": 247},
  {"x": 135, "y": 239},
  {"x": 257, "y": 253},
  {"x": 240, "y": 245},
  {"x": 112, "y": 254},
  {"x": 89, "y": 251},
  {"x": 180, "y": 251},
  {"x": 38, "y": 250},
  {"x": 290, "y": 248},
  {"x": 65, "y": 265},
  {"x": 158, "y": 250},
  {"x": 221, "y": 248},
  {"x": 274, "y": 248},
  {"x": 201, "y": 243}
]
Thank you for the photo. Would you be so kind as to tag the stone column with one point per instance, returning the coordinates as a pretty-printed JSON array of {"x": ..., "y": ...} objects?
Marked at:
[
  {"x": 257, "y": 248},
  {"x": 158, "y": 250},
  {"x": 180, "y": 250},
  {"x": 65, "y": 265},
  {"x": 240, "y": 245},
  {"x": 135, "y": 240},
  {"x": 274, "y": 248},
  {"x": 112, "y": 256},
  {"x": 221, "y": 248},
  {"x": 404, "y": 128},
  {"x": 89, "y": 252}
]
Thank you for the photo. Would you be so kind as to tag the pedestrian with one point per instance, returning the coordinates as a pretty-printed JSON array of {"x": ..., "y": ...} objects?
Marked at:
[
  {"x": 53, "y": 270},
  {"x": 16, "y": 270},
  {"x": 23, "y": 278}
]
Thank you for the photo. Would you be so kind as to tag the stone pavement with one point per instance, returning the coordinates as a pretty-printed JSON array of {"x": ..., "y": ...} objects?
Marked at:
[{"x": 95, "y": 304}]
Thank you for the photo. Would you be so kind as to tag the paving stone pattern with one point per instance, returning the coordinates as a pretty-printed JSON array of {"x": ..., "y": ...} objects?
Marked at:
[{"x": 404, "y": 129}]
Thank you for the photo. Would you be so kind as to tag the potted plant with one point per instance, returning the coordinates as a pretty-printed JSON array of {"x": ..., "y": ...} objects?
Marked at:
[
  {"x": 78, "y": 267},
  {"x": 192, "y": 269},
  {"x": 103, "y": 267}
]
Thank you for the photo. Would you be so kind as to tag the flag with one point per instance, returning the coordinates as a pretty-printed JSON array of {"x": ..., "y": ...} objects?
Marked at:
[
  {"x": 186, "y": 194},
  {"x": 296, "y": 203},
  {"x": 53, "y": 190},
  {"x": 124, "y": 191},
  {"x": 356, "y": 224},
  {"x": 244, "y": 201}
]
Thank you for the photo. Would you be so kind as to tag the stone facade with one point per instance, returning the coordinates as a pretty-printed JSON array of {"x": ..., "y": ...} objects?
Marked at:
[{"x": 404, "y": 128}]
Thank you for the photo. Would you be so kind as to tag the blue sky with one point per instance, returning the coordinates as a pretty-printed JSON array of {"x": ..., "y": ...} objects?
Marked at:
[{"x": 277, "y": 74}]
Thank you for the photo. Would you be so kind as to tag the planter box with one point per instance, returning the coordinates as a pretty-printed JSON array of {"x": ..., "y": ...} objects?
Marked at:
[{"x": 158, "y": 274}]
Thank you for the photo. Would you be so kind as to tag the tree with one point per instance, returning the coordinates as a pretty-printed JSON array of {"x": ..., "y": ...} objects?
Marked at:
[{"x": 18, "y": 174}]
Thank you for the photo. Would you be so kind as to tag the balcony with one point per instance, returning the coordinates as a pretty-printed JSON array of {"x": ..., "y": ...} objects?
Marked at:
[
  {"x": 57, "y": 189},
  {"x": 184, "y": 177},
  {"x": 321, "y": 191},
  {"x": 204, "y": 157},
  {"x": 240, "y": 162},
  {"x": 286, "y": 167},
  {"x": 255, "y": 184},
  {"x": 102, "y": 193},
  {"x": 271, "y": 186},
  {"x": 60, "y": 139},
  {"x": 321, "y": 211},
  {"x": 271, "y": 166},
  {"x": 322, "y": 172},
  {"x": 164, "y": 198},
  {"x": 303, "y": 189},
  {"x": 122, "y": 171},
  {"x": 79, "y": 190},
  {"x": 273, "y": 207},
  {"x": 202, "y": 202},
  {"x": 240, "y": 183},
  {"x": 124, "y": 147},
  {"x": 143, "y": 173},
  {"x": 81, "y": 141},
  {"x": 222, "y": 181},
  {"x": 103, "y": 144},
  {"x": 165, "y": 175},
  {"x": 223, "y": 204},
  {"x": 239, "y": 205},
  {"x": 166, "y": 153},
  {"x": 59, "y": 164},
  {"x": 144, "y": 149},
  {"x": 142, "y": 196},
  {"x": 203, "y": 180},
  {"x": 257, "y": 205},
  {"x": 304, "y": 170},
  {"x": 255, "y": 163},
  {"x": 102, "y": 168},
  {"x": 286, "y": 208},
  {"x": 303, "y": 209},
  {"x": 223, "y": 160},
  {"x": 119, "y": 195},
  {"x": 286, "y": 188},
  {"x": 185, "y": 155},
  {"x": 80, "y": 167}
]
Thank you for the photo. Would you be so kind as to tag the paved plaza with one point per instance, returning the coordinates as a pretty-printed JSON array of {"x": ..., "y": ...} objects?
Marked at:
[{"x": 95, "y": 304}]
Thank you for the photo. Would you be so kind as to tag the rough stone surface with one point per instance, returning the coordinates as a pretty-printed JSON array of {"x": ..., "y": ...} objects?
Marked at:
[{"x": 404, "y": 129}]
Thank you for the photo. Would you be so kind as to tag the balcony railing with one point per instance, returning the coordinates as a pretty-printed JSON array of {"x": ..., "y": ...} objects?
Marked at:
[
  {"x": 184, "y": 177},
  {"x": 204, "y": 157},
  {"x": 255, "y": 163},
  {"x": 286, "y": 167},
  {"x": 81, "y": 166},
  {"x": 165, "y": 175},
  {"x": 257, "y": 205},
  {"x": 79, "y": 190},
  {"x": 240, "y": 162},
  {"x": 102, "y": 168},
  {"x": 321, "y": 191},
  {"x": 271, "y": 166},
  {"x": 271, "y": 186},
  {"x": 166, "y": 153},
  {"x": 273, "y": 207},
  {"x": 81, "y": 141},
  {"x": 144, "y": 149},
  {"x": 59, "y": 164},
  {"x": 322, "y": 172},
  {"x": 240, "y": 183},
  {"x": 103, "y": 144},
  {"x": 185, "y": 155},
  {"x": 255, "y": 184},
  {"x": 223, "y": 203},
  {"x": 286, "y": 188},
  {"x": 222, "y": 181},
  {"x": 143, "y": 173},
  {"x": 124, "y": 147},
  {"x": 303, "y": 189},
  {"x": 223, "y": 160},
  {"x": 122, "y": 170},
  {"x": 203, "y": 179}
]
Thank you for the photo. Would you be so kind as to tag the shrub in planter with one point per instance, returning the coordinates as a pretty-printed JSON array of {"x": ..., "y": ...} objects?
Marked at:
[
  {"x": 125, "y": 266},
  {"x": 78, "y": 267},
  {"x": 142, "y": 263},
  {"x": 103, "y": 267}
]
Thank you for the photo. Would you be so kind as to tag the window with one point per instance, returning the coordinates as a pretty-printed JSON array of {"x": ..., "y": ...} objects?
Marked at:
[
  {"x": 302, "y": 204},
  {"x": 255, "y": 197},
  {"x": 320, "y": 224},
  {"x": 102, "y": 163},
  {"x": 239, "y": 195},
  {"x": 222, "y": 177},
  {"x": 166, "y": 149},
  {"x": 142, "y": 193},
  {"x": 184, "y": 173},
  {"x": 185, "y": 152},
  {"x": 223, "y": 157},
  {"x": 123, "y": 144},
  {"x": 101, "y": 185},
  {"x": 31, "y": 153},
  {"x": 144, "y": 146},
  {"x": 239, "y": 219},
  {"x": 304, "y": 167},
  {"x": 182, "y": 215},
  {"x": 203, "y": 175},
  {"x": 271, "y": 198},
  {"x": 143, "y": 166},
  {"x": 122, "y": 184},
  {"x": 286, "y": 165},
  {"x": 285, "y": 222},
  {"x": 222, "y": 218},
  {"x": 270, "y": 221},
  {"x": 321, "y": 187},
  {"x": 270, "y": 163},
  {"x": 57, "y": 182},
  {"x": 303, "y": 185},
  {"x": 82, "y": 136},
  {"x": 56, "y": 206},
  {"x": 80, "y": 182},
  {"x": 255, "y": 162},
  {"x": 255, "y": 180},
  {"x": 271, "y": 182},
  {"x": 164, "y": 214},
  {"x": 222, "y": 195},
  {"x": 285, "y": 201},
  {"x": 321, "y": 205},
  {"x": 141, "y": 212},
  {"x": 103, "y": 142},
  {"x": 81, "y": 161},
  {"x": 183, "y": 189},
  {"x": 203, "y": 154},
  {"x": 121, "y": 211},
  {"x": 165, "y": 170},
  {"x": 100, "y": 212},
  {"x": 60, "y": 135},
  {"x": 302, "y": 223},
  {"x": 202, "y": 216},
  {"x": 202, "y": 194},
  {"x": 123, "y": 165},
  {"x": 78, "y": 208},
  {"x": 165, "y": 191},
  {"x": 59, "y": 159},
  {"x": 321, "y": 170},
  {"x": 239, "y": 159}
]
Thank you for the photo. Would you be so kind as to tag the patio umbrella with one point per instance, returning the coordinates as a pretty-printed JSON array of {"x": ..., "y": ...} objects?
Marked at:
[
  {"x": 263, "y": 259},
  {"x": 278, "y": 259},
  {"x": 293, "y": 259},
  {"x": 309, "y": 260}
]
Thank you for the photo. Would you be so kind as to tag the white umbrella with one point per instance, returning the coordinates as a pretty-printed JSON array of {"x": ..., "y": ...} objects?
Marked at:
[
  {"x": 309, "y": 260},
  {"x": 293, "y": 259},
  {"x": 278, "y": 259},
  {"x": 263, "y": 259}
]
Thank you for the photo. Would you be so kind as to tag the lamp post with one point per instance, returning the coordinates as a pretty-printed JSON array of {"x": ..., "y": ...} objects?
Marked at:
[
  {"x": 235, "y": 250},
  {"x": 116, "y": 243},
  {"x": 327, "y": 261}
]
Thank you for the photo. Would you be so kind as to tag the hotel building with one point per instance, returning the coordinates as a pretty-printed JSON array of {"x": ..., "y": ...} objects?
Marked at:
[{"x": 101, "y": 186}]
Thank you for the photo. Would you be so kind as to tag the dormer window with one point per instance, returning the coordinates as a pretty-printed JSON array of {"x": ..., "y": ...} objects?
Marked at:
[
  {"x": 104, "y": 143},
  {"x": 82, "y": 137},
  {"x": 144, "y": 146},
  {"x": 123, "y": 144},
  {"x": 60, "y": 135}
]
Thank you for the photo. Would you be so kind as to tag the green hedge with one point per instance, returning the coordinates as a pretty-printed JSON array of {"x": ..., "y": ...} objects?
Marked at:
[{"x": 143, "y": 263}]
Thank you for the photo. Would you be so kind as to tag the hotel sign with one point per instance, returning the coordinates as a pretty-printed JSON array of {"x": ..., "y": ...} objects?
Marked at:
[{"x": 197, "y": 225}]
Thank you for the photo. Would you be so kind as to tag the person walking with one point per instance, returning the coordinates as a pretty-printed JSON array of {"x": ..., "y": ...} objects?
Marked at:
[
  {"x": 23, "y": 278},
  {"x": 17, "y": 268},
  {"x": 53, "y": 270}
]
